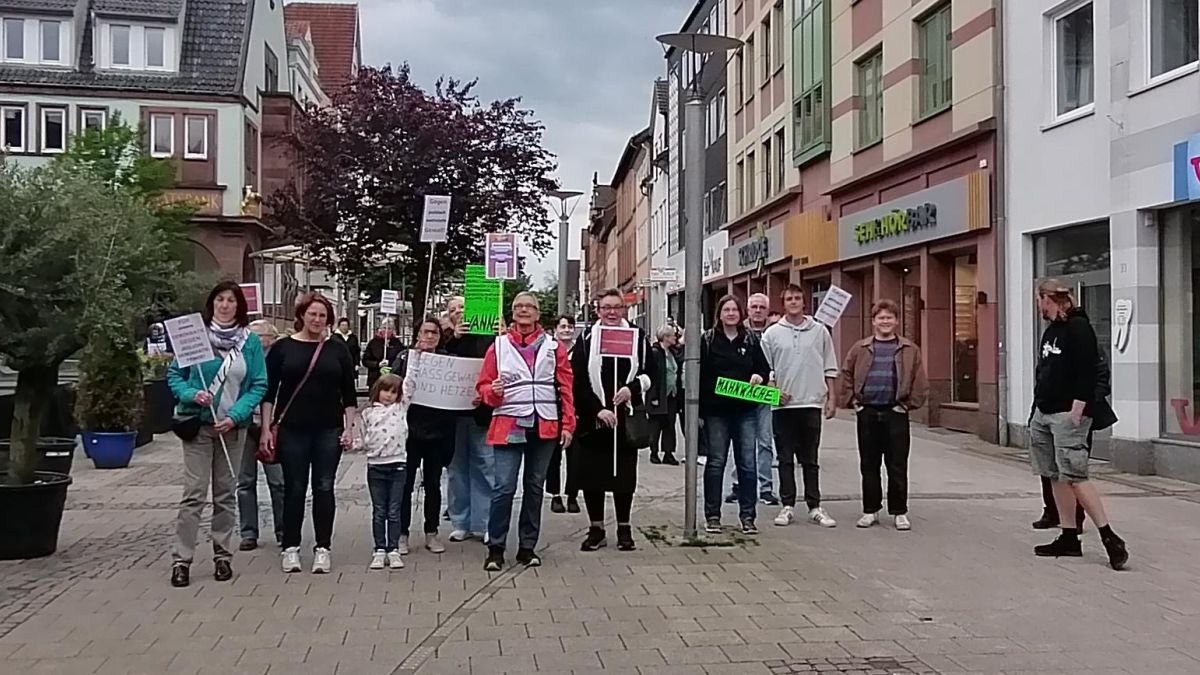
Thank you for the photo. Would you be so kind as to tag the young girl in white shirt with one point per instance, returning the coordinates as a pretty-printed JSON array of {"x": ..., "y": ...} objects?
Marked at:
[{"x": 384, "y": 433}]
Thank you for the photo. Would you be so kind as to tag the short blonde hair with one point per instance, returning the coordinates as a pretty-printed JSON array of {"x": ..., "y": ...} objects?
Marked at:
[{"x": 263, "y": 327}]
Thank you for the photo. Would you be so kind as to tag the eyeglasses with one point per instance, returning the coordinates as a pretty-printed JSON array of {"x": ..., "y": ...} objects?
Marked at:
[
  {"x": 611, "y": 308},
  {"x": 525, "y": 305}
]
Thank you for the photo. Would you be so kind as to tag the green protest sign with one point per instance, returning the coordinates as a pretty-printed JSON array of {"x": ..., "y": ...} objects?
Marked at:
[
  {"x": 744, "y": 391},
  {"x": 483, "y": 298}
]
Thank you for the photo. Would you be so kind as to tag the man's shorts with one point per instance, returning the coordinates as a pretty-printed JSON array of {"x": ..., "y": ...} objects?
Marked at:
[{"x": 1058, "y": 448}]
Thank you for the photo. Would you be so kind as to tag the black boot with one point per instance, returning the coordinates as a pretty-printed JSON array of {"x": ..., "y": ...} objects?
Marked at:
[
  {"x": 556, "y": 505},
  {"x": 1066, "y": 546},
  {"x": 573, "y": 504},
  {"x": 670, "y": 460},
  {"x": 222, "y": 570},
  {"x": 1117, "y": 555},
  {"x": 1048, "y": 521},
  {"x": 180, "y": 575},
  {"x": 597, "y": 539},
  {"x": 625, "y": 538},
  {"x": 654, "y": 458}
]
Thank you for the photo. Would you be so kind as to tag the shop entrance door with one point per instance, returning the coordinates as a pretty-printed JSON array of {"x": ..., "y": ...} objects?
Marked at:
[{"x": 1093, "y": 292}]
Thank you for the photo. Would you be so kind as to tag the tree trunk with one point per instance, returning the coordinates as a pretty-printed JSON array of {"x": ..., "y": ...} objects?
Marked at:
[{"x": 35, "y": 385}]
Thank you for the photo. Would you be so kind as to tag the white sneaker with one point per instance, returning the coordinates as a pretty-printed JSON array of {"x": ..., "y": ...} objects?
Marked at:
[
  {"x": 395, "y": 561},
  {"x": 786, "y": 515},
  {"x": 322, "y": 561},
  {"x": 868, "y": 520},
  {"x": 459, "y": 535},
  {"x": 378, "y": 559},
  {"x": 291, "y": 559},
  {"x": 820, "y": 517},
  {"x": 434, "y": 544},
  {"x": 902, "y": 523},
  {"x": 403, "y": 547}
]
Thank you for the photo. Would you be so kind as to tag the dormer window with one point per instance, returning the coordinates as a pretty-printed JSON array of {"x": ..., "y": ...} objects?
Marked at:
[
  {"x": 14, "y": 39},
  {"x": 156, "y": 47},
  {"x": 133, "y": 47},
  {"x": 121, "y": 52},
  {"x": 34, "y": 41}
]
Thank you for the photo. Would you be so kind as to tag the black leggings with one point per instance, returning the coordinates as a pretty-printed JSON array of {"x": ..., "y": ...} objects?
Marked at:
[
  {"x": 426, "y": 456},
  {"x": 622, "y": 501}
]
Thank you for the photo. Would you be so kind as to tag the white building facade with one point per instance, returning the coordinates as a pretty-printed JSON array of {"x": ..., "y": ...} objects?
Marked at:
[{"x": 1101, "y": 177}]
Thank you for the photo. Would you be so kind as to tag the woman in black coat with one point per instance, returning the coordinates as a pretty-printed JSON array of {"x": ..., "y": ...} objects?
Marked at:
[
  {"x": 663, "y": 400},
  {"x": 603, "y": 412}
]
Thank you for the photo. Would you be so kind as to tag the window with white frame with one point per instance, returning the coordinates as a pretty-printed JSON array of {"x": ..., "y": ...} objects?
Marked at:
[
  {"x": 156, "y": 47},
  {"x": 1173, "y": 36},
  {"x": 196, "y": 137},
  {"x": 1074, "y": 59},
  {"x": 34, "y": 41},
  {"x": 937, "y": 58},
  {"x": 120, "y": 39},
  {"x": 94, "y": 120},
  {"x": 162, "y": 135},
  {"x": 54, "y": 130},
  {"x": 12, "y": 128},
  {"x": 51, "y": 34},
  {"x": 135, "y": 47},
  {"x": 14, "y": 39},
  {"x": 869, "y": 72}
]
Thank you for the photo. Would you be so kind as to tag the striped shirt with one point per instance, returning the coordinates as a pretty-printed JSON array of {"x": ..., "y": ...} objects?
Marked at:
[{"x": 879, "y": 388}]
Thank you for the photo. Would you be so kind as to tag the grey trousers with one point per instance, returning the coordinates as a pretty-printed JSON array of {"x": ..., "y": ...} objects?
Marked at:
[{"x": 204, "y": 464}]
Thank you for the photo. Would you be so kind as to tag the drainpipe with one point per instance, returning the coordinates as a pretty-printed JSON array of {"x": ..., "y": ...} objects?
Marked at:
[{"x": 1000, "y": 202}]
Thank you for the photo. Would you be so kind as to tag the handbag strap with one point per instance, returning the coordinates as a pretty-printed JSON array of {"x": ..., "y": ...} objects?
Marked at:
[{"x": 304, "y": 380}]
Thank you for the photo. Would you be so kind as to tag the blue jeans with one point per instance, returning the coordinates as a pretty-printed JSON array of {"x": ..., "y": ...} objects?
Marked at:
[
  {"x": 764, "y": 439},
  {"x": 247, "y": 490},
  {"x": 535, "y": 453},
  {"x": 386, "y": 485},
  {"x": 471, "y": 478},
  {"x": 739, "y": 427},
  {"x": 302, "y": 451}
]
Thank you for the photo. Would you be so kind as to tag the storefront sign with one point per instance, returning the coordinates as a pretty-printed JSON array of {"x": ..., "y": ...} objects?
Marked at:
[
  {"x": 714, "y": 256},
  {"x": 1187, "y": 169},
  {"x": 677, "y": 261},
  {"x": 764, "y": 248},
  {"x": 945, "y": 210}
]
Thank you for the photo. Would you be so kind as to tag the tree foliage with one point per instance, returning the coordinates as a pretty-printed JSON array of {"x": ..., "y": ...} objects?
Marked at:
[{"x": 369, "y": 160}]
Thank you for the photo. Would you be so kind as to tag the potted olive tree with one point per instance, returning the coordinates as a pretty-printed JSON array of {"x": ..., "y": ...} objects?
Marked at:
[
  {"x": 83, "y": 257},
  {"x": 110, "y": 400}
]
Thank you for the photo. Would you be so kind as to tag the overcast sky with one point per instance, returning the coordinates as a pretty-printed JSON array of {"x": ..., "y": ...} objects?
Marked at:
[{"x": 586, "y": 67}]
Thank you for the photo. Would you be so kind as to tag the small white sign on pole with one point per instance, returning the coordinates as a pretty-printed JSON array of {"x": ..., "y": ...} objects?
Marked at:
[
  {"x": 435, "y": 222},
  {"x": 189, "y": 340},
  {"x": 835, "y": 303},
  {"x": 664, "y": 275},
  {"x": 389, "y": 302},
  {"x": 443, "y": 382}
]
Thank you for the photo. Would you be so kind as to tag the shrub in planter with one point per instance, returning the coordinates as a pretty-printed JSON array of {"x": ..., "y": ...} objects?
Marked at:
[
  {"x": 160, "y": 403},
  {"x": 110, "y": 401}
]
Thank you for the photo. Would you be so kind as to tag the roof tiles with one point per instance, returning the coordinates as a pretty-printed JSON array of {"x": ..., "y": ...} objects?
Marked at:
[{"x": 334, "y": 29}]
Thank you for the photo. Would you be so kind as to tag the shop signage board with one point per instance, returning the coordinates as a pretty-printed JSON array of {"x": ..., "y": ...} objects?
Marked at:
[
  {"x": 764, "y": 248},
  {"x": 714, "y": 256},
  {"x": 664, "y": 275},
  {"x": 938, "y": 212},
  {"x": 1187, "y": 169},
  {"x": 744, "y": 391}
]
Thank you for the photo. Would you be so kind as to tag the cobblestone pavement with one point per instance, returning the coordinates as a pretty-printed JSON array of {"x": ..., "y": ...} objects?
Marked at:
[{"x": 961, "y": 593}]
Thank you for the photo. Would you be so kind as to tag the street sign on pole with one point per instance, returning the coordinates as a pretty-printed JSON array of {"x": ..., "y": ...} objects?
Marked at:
[
  {"x": 435, "y": 222},
  {"x": 664, "y": 275}
]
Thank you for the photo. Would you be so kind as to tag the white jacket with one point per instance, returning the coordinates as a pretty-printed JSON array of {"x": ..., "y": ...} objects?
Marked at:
[
  {"x": 801, "y": 357},
  {"x": 383, "y": 432}
]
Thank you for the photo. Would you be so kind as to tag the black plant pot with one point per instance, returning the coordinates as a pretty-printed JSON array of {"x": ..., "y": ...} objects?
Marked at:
[
  {"x": 31, "y": 515},
  {"x": 55, "y": 455},
  {"x": 159, "y": 406}
]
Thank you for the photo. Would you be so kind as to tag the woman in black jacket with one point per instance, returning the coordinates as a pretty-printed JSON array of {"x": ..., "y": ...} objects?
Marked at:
[
  {"x": 728, "y": 350},
  {"x": 662, "y": 403}
]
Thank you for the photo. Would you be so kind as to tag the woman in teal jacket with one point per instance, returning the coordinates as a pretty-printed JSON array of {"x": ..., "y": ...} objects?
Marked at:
[{"x": 221, "y": 395}]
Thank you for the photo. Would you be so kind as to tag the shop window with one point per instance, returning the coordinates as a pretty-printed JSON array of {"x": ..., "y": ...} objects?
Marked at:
[
  {"x": 1181, "y": 321},
  {"x": 1079, "y": 257},
  {"x": 966, "y": 332}
]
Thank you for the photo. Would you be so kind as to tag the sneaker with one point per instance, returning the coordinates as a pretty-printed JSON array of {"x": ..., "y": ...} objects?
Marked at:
[
  {"x": 748, "y": 527},
  {"x": 556, "y": 505},
  {"x": 495, "y": 559},
  {"x": 902, "y": 523},
  {"x": 670, "y": 460},
  {"x": 573, "y": 505},
  {"x": 459, "y": 536},
  {"x": 786, "y": 515},
  {"x": 625, "y": 538},
  {"x": 402, "y": 547},
  {"x": 820, "y": 517},
  {"x": 222, "y": 570},
  {"x": 769, "y": 499},
  {"x": 868, "y": 520},
  {"x": 322, "y": 561},
  {"x": 248, "y": 544},
  {"x": 596, "y": 539},
  {"x": 713, "y": 526},
  {"x": 291, "y": 559},
  {"x": 395, "y": 561},
  {"x": 378, "y": 560},
  {"x": 180, "y": 575},
  {"x": 1065, "y": 546},
  {"x": 434, "y": 544},
  {"x": 1048, "y": 521},
  {"x": 528, "y": 557},
  {"x": 1117, "y": 555}
]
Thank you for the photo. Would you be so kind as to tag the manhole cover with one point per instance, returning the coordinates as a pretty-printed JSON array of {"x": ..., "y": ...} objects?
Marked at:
[{"x": 882, "y": 665}]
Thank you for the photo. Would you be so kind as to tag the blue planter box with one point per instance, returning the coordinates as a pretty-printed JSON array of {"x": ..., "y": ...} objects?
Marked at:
[{"x": 110, "y": 450}]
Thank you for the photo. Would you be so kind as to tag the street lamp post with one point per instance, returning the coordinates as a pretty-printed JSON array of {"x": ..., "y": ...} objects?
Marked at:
[
  {"x": 693, "y": 243},
  {"x": 564, "y": 239}
]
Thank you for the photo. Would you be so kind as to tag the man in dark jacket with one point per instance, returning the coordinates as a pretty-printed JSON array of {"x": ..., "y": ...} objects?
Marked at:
[
  {"x": 1065, "y": 408},
  {"x": 382, "y": 350}
]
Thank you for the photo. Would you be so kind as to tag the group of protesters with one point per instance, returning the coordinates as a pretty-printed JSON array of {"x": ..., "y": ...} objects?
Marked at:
[{"x": 549, "y": 399}]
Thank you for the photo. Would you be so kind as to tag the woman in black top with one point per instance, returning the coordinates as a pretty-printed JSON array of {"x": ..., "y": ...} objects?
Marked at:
[
  {"x": 430, "y": 442},
  {"x": 729, "y": 350},
  {"x": 314, "y": 412}
]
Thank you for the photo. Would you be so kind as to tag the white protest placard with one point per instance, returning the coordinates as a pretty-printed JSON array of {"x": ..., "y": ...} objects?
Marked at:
[
  {"x": 389, "y": 302},
  {"x": 831, "y": 309},
  {"x": 189, "y": 339},
  {"x": 443, "y": 382},
  {"x": 435, "y": 221},
  {"x": 500, "y": 256}
]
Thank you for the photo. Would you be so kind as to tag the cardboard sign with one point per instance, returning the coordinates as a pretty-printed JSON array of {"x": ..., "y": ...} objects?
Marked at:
[
  {"x": 435, "y": 221},
  {"x": 744, "y": 391},
  {"x": 500, "y": 256},
  {"x": 618, "y": 342},
  {"x": 389, "y": 302},
  {"x": 189, "y": 339},
  {"x": 443, "y": 382},
  {"x": 483, "y": 297},
  {"x": 831, "y": 309},
  {"x": 253, "y": 293}
]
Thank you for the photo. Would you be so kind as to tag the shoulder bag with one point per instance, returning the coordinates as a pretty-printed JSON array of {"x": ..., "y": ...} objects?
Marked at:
[
  {"x": 271, "y": 455},
  {"x": 187, "y": 427}
]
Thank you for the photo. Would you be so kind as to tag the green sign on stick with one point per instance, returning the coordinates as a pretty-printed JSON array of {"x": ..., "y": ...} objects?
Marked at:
[
  {"x": 483, "y": 298},
  {"x": 744, "y": 391}
]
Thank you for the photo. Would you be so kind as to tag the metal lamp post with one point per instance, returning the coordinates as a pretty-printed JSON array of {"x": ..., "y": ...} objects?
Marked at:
[
  {"x": 693, "y": 244},
  {"x": 564, "y": 240}
]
